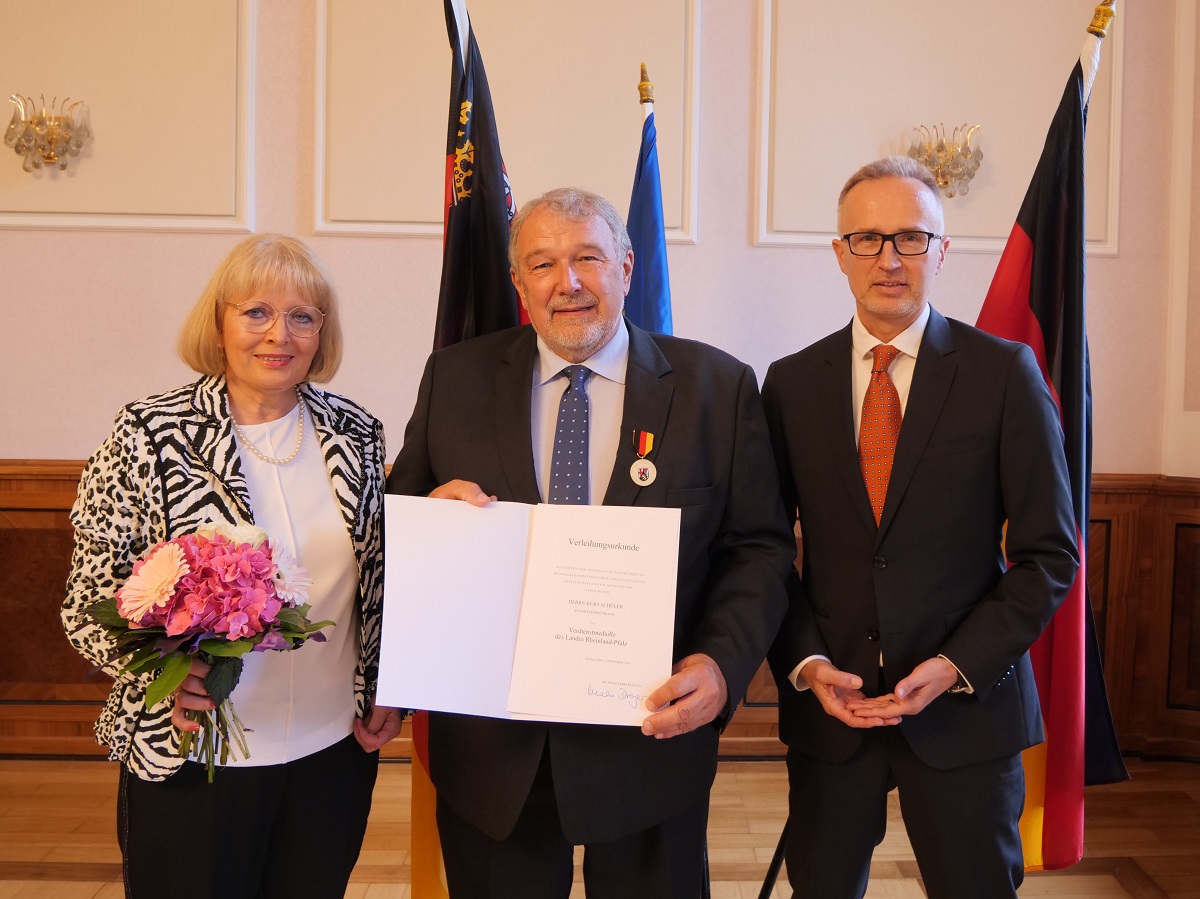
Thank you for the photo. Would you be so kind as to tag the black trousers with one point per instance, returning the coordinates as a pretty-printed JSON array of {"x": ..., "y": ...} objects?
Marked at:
[
  {"x": 291, "y": 830},
  {"x": 536, "y": 861},
  {"x": 962, "y": 822}
]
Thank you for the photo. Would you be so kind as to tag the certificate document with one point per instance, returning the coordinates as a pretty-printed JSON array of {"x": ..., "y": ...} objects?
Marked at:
[
  {"x": 562, "y": 613},
  {"x": 598, "y": 613}
]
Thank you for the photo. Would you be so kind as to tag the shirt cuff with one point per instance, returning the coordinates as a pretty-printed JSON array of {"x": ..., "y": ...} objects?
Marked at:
[
  {"x": 963, "y": 685},
  {"x": 794, "y": 677}
]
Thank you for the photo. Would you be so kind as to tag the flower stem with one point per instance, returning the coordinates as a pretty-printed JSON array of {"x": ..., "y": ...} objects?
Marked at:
[{"x": 222, "y": 735}]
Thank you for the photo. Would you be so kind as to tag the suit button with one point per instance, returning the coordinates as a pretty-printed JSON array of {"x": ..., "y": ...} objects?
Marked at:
[
  {"x": 873, "y": 634},
  {"x": 879, "y": 562}
]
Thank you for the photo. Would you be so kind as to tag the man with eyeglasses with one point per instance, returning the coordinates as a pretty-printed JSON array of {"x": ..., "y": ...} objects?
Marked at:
[{"x": 923, "y": 460}]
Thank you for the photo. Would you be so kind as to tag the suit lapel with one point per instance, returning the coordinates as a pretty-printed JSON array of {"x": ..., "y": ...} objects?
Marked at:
[
  {"x": 647, "y": 402},
  {"x": 932, "y": 377},
  {"x": 210, "y": 436},
  {"x": 514, "y": 388},
  {"x": 837, "y": 392},
  {"x": 342, "y": 440}
]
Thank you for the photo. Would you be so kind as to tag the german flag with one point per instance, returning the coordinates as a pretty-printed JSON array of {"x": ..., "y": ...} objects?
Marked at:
[{"x": 1037, "y": 297}]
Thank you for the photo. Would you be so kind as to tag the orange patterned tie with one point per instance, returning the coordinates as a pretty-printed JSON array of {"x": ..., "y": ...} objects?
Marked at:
[{"x": 880, "y": 428}]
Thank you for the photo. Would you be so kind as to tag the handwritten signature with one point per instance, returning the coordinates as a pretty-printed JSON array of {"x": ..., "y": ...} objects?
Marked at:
[{"x": 634, "y": 700}]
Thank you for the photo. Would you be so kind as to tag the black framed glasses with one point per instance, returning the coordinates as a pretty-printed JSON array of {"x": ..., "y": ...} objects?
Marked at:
[
  {"x": 257, "y": 317},
  {"x": 907, "y": 243}
]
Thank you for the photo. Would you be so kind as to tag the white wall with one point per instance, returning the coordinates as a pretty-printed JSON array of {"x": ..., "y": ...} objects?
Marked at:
[{"x": 89, "y": 314}]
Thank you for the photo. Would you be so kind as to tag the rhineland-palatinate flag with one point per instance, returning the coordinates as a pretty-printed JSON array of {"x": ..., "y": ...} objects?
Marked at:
[
  {"x": 476, "y": 297},
  {"x": 1037, "y": 297},
  {"x": 476, "y": 294},
  {"x": 648, "y": 303}
]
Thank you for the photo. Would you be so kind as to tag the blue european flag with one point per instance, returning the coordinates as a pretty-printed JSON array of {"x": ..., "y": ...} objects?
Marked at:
[{"x": 648, "y": 304}]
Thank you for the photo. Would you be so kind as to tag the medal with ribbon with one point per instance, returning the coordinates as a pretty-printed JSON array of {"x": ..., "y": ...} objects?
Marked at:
[{"x": 643, "y": 471}]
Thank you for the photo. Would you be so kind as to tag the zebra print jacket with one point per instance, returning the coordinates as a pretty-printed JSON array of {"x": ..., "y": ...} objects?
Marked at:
[{"x": 169, "y": 466}]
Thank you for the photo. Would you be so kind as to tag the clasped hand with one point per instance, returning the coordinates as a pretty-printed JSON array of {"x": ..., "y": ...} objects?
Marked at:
[{"x": 840, "y": 692}]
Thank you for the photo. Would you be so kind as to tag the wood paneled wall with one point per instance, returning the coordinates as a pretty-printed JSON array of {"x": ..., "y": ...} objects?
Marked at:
[
  {"x": 1144, "y": 574},
  {"x": 48, "y": 694},
  {"x": 1143, "y": 571}
]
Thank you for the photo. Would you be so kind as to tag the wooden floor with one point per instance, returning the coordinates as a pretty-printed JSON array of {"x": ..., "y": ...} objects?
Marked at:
[{"x": 57, "y": 836}]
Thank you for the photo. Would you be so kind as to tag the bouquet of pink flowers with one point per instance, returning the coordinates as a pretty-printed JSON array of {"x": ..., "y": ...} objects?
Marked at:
[{"x": 218, "y": 593}]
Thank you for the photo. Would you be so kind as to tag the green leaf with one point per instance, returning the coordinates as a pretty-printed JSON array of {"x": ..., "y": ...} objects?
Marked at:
[
  {"x": 173, "y": 673},
  {"x": 222, "y": 678},
  {"x": 292, "y": 618},
  {"x": 226, "y": 648},
  {"x": 294, "y": 621},
  {"x": 105, "y": 612},
  {"x": 135, "y": 641},
  {"x": 145, "y": 659}
]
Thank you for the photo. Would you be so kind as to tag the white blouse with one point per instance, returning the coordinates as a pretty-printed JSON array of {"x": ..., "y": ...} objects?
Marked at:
[{"x": 300, "y": 701}]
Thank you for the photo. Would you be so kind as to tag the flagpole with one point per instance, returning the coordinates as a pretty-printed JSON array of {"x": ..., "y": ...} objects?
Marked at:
[
  {"x": 475, "y": 297},
  {"x": 646, "y": 94},
  {"x": 1089, "y": 59},
  {"x": 648, "y": 301},
  {"x": 462, "y": 25}
]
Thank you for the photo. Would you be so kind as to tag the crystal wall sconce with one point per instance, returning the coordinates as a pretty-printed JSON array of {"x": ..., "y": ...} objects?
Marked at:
[
  {"x": 47, "y": 138},
  {"x": 953, "y": 161}
]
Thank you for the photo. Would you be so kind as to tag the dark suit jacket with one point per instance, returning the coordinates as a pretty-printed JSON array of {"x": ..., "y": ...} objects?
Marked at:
[
  {"x": 980, "y": 444},
  {"x": 712, "y": 452}
]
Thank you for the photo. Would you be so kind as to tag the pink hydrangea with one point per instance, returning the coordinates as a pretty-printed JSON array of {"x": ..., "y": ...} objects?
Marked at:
[{"x": 212, "y": 582}]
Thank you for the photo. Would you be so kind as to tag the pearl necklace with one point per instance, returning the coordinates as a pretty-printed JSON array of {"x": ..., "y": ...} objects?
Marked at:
[{"x": 249, "y": 444}]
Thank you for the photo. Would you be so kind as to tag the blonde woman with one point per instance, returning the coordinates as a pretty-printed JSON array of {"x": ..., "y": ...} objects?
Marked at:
[{"x": 251, "y": 442}]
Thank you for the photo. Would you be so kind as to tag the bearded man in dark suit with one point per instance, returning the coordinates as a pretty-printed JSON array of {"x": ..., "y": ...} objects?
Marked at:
[
  {"x": 923, "y": 460},
  {"x": 515, "y": 797}
]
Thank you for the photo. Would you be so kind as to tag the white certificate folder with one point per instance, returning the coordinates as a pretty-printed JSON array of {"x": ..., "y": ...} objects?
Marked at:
[{"x": 555, "y": 613}]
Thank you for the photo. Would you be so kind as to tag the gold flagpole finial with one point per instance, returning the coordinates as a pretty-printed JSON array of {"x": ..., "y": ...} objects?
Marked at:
[
  {"x": 1102, "y": 18},
  {"x": 645, "y": 88}
]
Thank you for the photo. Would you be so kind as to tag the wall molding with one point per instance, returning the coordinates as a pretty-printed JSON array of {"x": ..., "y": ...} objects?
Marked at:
[
  {"x": 323, "y": 224},
  {"x": 242, "y": 219},
  {"x": 688, "y": 232},
  {"x": 1181, "y": 429},
  {"x": 763, "y": 234}
]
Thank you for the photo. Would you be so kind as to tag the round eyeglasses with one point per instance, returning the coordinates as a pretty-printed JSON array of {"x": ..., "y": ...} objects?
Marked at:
[
  {"x": 257, "y": 317},
  {"x": 907, "y": 243}
]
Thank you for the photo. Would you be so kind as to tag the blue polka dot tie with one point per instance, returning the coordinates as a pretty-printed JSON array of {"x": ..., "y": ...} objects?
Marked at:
[
  {"x": 880, "y": 428},
  {"x": 569, "y": 464}
]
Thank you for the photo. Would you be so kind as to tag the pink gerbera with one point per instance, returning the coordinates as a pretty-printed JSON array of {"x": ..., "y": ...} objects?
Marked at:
[{"x": 152, "y": 584}]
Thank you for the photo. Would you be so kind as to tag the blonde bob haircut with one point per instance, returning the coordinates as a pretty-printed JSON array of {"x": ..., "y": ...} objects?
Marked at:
[{"x": 259, "y": 265}]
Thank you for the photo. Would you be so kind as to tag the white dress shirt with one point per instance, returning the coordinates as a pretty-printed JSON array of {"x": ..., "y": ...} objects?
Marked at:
[
  {"x": 605, "y": 390},
  {"x": 908, "y": 342},
  {"x": 300, "y": 701}
]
